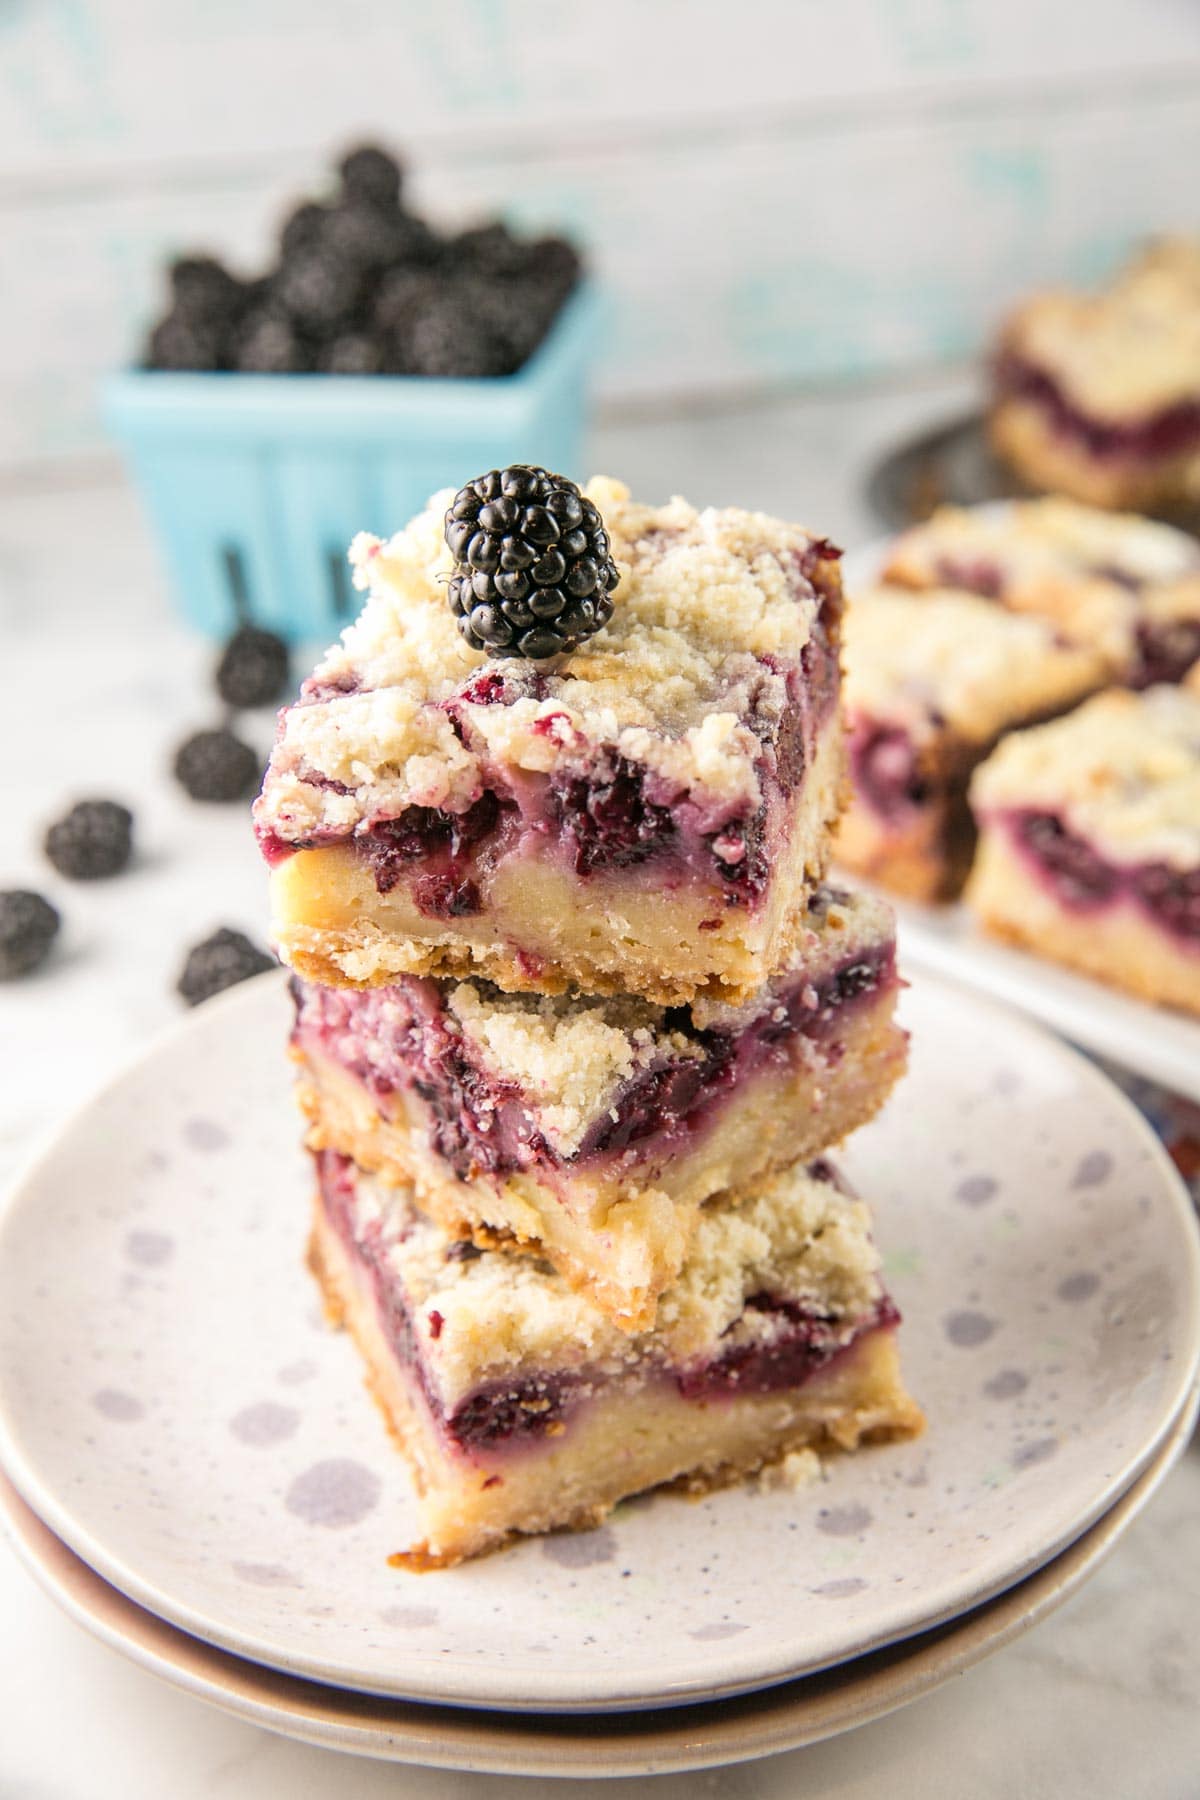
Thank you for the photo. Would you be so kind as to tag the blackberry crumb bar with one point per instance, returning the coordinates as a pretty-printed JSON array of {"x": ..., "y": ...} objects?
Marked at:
[
  {"x": 1089, "y": 845},
  {"x": 932, "y": 680},
  {"x": 1127, "y": 585},
  {"x": 646, "y": 818},
  {"x": 1098, "y": 395},
  {"x": 522, "y": 1408},
  {"x": 596, "y": 1128}
]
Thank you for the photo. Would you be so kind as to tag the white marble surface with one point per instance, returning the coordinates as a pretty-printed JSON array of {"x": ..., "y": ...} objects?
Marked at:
[{"x": 1103, "y": 1699}]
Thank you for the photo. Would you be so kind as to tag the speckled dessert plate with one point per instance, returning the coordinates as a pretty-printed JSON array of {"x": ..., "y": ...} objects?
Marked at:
[
  {"x": 947, "y": 941},
  {"x": 174, "y": 1408},
  {"x": 647, "y": 1742}
]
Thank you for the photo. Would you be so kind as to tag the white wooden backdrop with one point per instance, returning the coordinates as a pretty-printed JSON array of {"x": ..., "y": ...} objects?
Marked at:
[{"x": 774, "y": 190}]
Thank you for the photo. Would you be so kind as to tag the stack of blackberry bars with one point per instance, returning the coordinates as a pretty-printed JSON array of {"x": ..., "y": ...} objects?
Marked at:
[{"x": 577, "y": 1013}]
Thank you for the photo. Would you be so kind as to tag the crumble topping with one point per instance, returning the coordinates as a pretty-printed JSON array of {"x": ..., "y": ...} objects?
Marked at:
[
  {"x": 1132, "y": 349},
  {"x": 801, "y": 1239},
  {"x": 1030, "y": 540},
  {"x": 568, "y": 1054},
  {"x": 713, "y": 607},
  {"x": 1096, "y": 574},
  {"x": 1123, "y": 772},
  {"x": 798, "y": 1469},
  {"x": 943, "y": 658}
]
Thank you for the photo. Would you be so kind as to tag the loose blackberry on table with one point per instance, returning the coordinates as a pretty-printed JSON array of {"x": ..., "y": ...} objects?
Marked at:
[
  {"x": 93, "y": 841},
  {"x": 220, "y": 962},
  {"x": 28, "y": 927},
  {"x": 216, "y": 766},
  {"x": 253, "y": 670},
  {"x": 533, "y": 573}
]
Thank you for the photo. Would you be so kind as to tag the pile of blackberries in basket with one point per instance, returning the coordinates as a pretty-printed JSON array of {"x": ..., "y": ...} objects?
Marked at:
[{"x": 364, "y": 286}]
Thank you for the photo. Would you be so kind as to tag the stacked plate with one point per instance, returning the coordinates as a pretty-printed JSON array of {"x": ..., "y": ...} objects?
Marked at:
[{"x": 198, "y": 1476}]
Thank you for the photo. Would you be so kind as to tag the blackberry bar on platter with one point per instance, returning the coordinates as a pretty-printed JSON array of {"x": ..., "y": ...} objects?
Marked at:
[
  {"x": 646, "y": 814},
  {"x": 595, "y": 1128},
  {"x": 521, "y": 1406},
  {"x": 1089, "y": 848},
  {"x": 1125, "y": 586},
  {"x": 932, "y": 680},
  {"x": 1098, "y": 395}
]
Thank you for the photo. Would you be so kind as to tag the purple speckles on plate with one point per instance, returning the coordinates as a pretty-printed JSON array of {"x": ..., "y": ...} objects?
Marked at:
[
  {"x": 266, "y": 1422},
  {"x": 1006, "y": 1384},
  {"x": 844, "y": 1521},
  {"x": 976, "y": 1190},
  {"x": 205, "y": 1135},
  {"x": 175, "y": 1404},
  {"x": 1080, "y": 1285},
  {"x": 1026, "y": 1456},
  {"x": 270, "y": 1575},
  {"x": 844, "y": 1588},
  {"x": 1092, "y": 1169},
  {"x": 149, "y": 1249},
  {"x": 334, "y": 1493},
  {"x": 580, "y": 1549},
  {"x": 410, "y": 1618},
  {"x": 966, "y": 1330},
  {"x": 113, "y": 1403}
]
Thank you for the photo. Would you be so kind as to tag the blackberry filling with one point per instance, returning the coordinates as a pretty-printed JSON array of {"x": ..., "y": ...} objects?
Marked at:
[
  {"x": 497, "y": 1415},
  {"x": 974, "y": 574},
  {"x": 1173, "y": 431},
  {"x": 1166, "y": 650},
  {"x": 1085, "y": 880},
  {"x": 1172, "y": 896},
  {"x": 607, "y": 819},
  {"x": 804, "y": 1342},
  {"x": 883, "y": 762},
  {"x": 1082, "y": 877},
  {"x": 424, "y": 834}
]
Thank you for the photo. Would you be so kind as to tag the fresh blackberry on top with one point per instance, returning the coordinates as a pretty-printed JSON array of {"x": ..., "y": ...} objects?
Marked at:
[{"x": 533, "y": 574}]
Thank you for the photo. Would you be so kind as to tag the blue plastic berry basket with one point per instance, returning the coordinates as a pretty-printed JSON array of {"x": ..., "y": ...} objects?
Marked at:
[{"x": 257, "y": 483}]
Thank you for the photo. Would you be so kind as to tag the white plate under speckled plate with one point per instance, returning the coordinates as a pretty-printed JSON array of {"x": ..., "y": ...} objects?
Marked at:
[
  {"x": 172, "y": 1405},
  {"x": 947, "y": 940}
]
